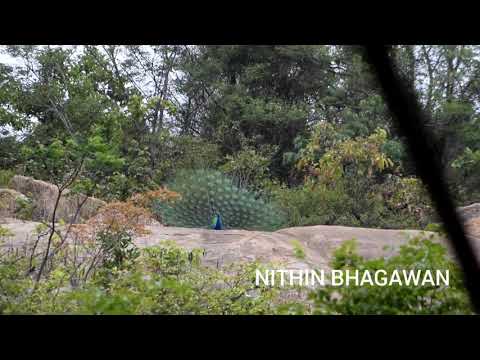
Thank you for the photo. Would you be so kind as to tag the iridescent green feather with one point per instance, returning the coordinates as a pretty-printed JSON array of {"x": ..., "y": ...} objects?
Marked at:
[{"x": 204, "y": 192}]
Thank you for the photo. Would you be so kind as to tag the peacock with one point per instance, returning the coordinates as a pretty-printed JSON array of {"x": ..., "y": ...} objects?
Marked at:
[
  {"x": 217, "y": 222},
  {"x": 211, "y": 200}
]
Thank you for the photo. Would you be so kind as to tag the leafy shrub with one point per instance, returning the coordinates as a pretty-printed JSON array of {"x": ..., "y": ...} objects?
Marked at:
[
  {"x": 298, "y": 250},
  {"x": 309, "y": 152},
  {"x": 395, "y": 150},
  {"x": 24, "y": 208},
  {"x": 188, "y": 293},
  {"x": 162, "y": 280},
  {"x": 5, "y": 177},
  {"x": 120, "y": 217},
  {"x": 310, "y": 204},
  {"x": 346, "y": 256},
  {"x": 467, "y": 167},
  {"x": 14, "y": 285},
  {"x": 5, "y": 232},
  {"x": 436, "y": 227},
  {"x": 353, "y": 182},
  {"x": 419, "y": 254},
  {"x": 146, "y": 199},
  {"x": 408, "y": 201},
  {"x": 359, "y": 158},
  {"x": 346, "y": 175},
  {"x": 10, "y": 158},
  {"x": 184, "y": 152},
  {"x": 108, "y": 237},
  {"x": 204, "y": 192},
  {"x": 249, "y": 167},
  {"x": 117, "y": 247}
]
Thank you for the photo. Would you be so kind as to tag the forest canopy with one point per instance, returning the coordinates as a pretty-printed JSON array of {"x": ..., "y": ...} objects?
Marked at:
[
  {"x": 302, "y": 126},
  {"x": 253, "y": 137}
]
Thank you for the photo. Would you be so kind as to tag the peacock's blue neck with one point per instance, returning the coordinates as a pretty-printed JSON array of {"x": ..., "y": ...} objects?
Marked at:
[{"x": 218, "y": 223}]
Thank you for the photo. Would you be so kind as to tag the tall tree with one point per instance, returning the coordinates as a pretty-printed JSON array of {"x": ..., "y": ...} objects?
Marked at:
[{"x": 265, "y": 93}]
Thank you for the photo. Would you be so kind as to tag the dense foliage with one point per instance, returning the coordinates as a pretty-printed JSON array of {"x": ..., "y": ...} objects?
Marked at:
[
  {"x": 267, "y": 136},
  {"x": 157, "y": 280},
  {"x": 283, "y": 120},
  {"x": 166, "y": 279},
  {"x": 419, "y": 254},
  {"x": 102, "y": 271}
]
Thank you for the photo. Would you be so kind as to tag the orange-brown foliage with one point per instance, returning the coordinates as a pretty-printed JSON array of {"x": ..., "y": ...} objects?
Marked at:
[
  {"x": 130, "y": 216},
  {"x": 122, "y": 217},
  {"x": 145, "y": 199},
  {"x": 115, "y": 217}
]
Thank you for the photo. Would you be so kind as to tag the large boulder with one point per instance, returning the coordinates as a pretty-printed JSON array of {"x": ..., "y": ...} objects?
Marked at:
[
  {"x": 231, "y": 246},
  {"x": 317, "y": 242},
  {"x": 24, "y": 233},
  {"x": 469, "y": 212},
  {"x": 13, "y": 203},
  {"x": 44, "y": 194}
]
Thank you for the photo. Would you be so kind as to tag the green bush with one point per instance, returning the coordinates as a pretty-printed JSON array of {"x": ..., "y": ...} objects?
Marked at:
[
  {"x": 466, "y": 167},
  {"x": 171, "y": 281},
  {"x": 204, "y": 192},
  {"x": 117, "y": 248},
  {"x": 420, "y": 253},
  {"x": 393, "y": 204},
  {"x": 24, "y": 208},
  {"x": 354, "y": 182},
  {"x": 249, "y": 166},
  {"x": 184, "y": 152},
  {"x": 310, "y": 205},
  {"x": 5, "y": 177},
  {"x": 298, "y": 249},
  {"x": 5, "y": 232},
  {"x": 163, "y": 280}
]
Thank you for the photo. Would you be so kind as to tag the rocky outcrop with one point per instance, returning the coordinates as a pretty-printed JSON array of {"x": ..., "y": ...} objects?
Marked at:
[
  {"x": 317, "y": 242},
  {"x": 469, "y": 212},
  {"x": 12, "y": 203},
  {"x": 231, "y": 246},
  {"x": 224, "y": 247},
  {"x": 43, "y": 195}
]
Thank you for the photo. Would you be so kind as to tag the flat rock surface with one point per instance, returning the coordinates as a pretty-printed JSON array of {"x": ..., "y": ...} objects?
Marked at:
[
  {"x": 24, "y": 231},
  {"x": 469, "y": 212},
  {"x": 318, "y": 243},
  {"x": 228, "y": 246}
]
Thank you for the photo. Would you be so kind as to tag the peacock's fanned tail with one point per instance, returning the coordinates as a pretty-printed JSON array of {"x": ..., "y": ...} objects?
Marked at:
[{"x": 207, "y": 193}]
